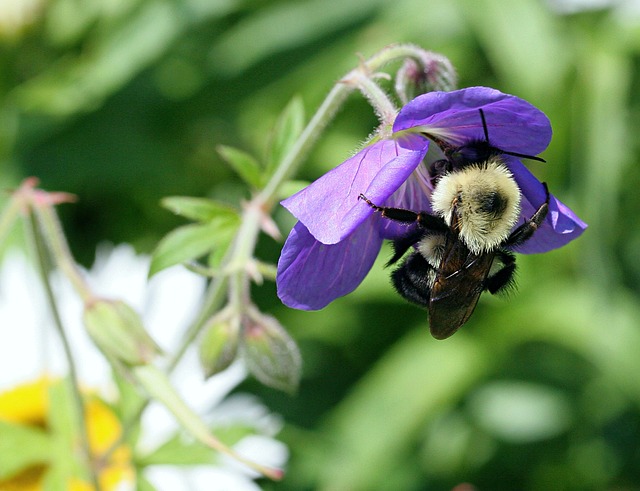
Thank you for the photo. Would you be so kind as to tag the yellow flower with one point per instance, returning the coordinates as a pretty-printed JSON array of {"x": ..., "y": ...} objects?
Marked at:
[
  {"x": 36, "y": 412},
  {"x": 29, "y": 405}
]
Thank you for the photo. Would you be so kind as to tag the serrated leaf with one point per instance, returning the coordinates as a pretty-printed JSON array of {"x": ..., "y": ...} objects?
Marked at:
[
  {"x": 198, "y": 209},
  {"x": 192, "y": 241},
  {"x": 33, "y": 444},
  {"x": 286, "y": 131},
  {"x": 245, "y": 165}
]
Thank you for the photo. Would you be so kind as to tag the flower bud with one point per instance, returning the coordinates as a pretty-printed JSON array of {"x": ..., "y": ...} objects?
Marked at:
[
  {"x": 432, "y": 72},
  {"x": 271, "y": 355},
  {"x": 118, "y": 331},
  {"x": 219, "y": 345}
]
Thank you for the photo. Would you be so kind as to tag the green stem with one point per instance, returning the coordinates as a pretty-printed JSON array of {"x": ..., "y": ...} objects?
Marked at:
[
  {"x": 327, "y": 111},
  {"x": 308, "y": 137},
  {"x": 43, "y": 270},
  {"x": 263, "y": 203},
  {"x": 156, "y": 383},
  {"x": 378, "y": 98},
  {"x": 215, "y": 296},
  {"x": 57, "y": 243},
  {"x": 242, "y": 252},
  {"x": 8, "y": 217}
]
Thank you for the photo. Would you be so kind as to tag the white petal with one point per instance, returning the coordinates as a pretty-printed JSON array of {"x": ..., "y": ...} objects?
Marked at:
[
  {"x": 173, "y": 298},
  {"x": 198, "y": 478},
  {"x": 22, "y": 322},
  {"x": 261, "y": 449}
]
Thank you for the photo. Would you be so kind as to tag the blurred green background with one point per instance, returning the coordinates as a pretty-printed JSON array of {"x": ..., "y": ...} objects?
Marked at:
[{"x": 123, "y": 102}]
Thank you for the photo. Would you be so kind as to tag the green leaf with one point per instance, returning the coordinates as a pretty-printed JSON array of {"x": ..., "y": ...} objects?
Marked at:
[
  {"x": 157, "y": 385},
  {"x": 245, "y": 165},
  {"x": 192, "y": 241},
  {"x": 128, "y": 403},
  {"x": 216, "y": 256},
  {"x": 198, "y": 209},
  {"x": 362, "y": 418},
  {"x": 142, "y": 484},
  {"x": 175, "y": 451},
  {"x": 21, "y": 447},
  {"x": 285, "y": 133}
]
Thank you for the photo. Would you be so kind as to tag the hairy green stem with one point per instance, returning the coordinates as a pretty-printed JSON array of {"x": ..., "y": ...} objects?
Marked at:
[
  {"x": 263, "y": 203},
  {"x": 327, "y": 110},
  {"x": 233, "y": 282},
  {"x": 43, "y": 270},
  {"x": 158, "y": 386},
  {"x": 8, "y": 217},
  {"x": 59, "y": 247}
]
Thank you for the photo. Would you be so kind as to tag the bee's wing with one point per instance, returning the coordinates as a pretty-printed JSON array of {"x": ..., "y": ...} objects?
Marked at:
[{"x": 457, "y": 288}]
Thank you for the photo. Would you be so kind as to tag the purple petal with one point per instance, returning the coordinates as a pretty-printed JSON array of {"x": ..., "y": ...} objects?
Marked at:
[
  {"x": 513, "y": 124},
  {"x": 329, "y": 207},
  {"x": 311, "y": 274},
  {"x": 560, "y": 227}
]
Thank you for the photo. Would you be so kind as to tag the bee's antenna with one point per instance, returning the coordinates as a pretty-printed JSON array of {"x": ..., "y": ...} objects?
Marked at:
[
  {"x": 484, "y": 126},
  {"x": 514, "y": 154}
]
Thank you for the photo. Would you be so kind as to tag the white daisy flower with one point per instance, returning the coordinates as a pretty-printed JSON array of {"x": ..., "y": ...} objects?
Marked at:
[{"x": 32, "y": 361}]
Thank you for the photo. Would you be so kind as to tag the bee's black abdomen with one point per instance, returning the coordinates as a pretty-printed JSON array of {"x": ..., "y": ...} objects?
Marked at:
[
  {"x": 503, "y": 279},
  {"x": 414, "y": 279}
]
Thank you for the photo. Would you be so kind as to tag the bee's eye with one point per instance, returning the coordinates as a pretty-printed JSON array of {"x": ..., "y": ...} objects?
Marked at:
[
  {"x": 478, "y": 151},
  {"x": 438, "y": 169}
]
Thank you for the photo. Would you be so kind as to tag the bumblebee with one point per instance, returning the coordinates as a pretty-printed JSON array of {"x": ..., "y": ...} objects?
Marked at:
[{"x": 463, "y": 248}]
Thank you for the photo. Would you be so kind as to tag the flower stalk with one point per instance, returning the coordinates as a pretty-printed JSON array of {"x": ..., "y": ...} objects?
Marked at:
[
  {"x": 157, "y": 385},
  {"x": 56, "y": 241},
  {"x": 363, "y": 75},
  {"x": 239, "y": 264},
  {"x": 379, "y": 100},
  {"x": 36, "y": 240},
  {"x": 232, "y": 284}
]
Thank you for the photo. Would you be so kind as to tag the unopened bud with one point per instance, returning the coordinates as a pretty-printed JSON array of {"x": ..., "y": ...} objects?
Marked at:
[
  {"x": 432, "y": 72},
  {"x": 118, "y": 331},
  {"x": 219, "y": 345},
  {"x": 271, "y": 355}
]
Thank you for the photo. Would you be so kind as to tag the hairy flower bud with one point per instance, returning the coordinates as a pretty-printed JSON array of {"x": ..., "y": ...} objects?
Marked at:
[
  {"x": 118, "y": 331},
  {"x": 271, "y": 355},
  {"x": 433, "y": 72},
  {"x": 219, "y": 345}
]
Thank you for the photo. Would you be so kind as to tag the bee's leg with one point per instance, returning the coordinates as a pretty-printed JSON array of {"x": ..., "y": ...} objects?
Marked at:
[
  {"x": 423, "y": 219},
  {"x": 402, "y": 244},
  {"x": 524, "y": 232},
  {"x": 502, "y": 278}
]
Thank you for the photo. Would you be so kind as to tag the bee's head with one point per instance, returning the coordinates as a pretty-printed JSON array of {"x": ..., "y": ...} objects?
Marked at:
[{"x": 482, "y": 201}]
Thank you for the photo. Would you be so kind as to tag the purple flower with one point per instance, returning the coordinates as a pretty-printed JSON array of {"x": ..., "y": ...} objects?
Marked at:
[{"x": 333, "y": 246}]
